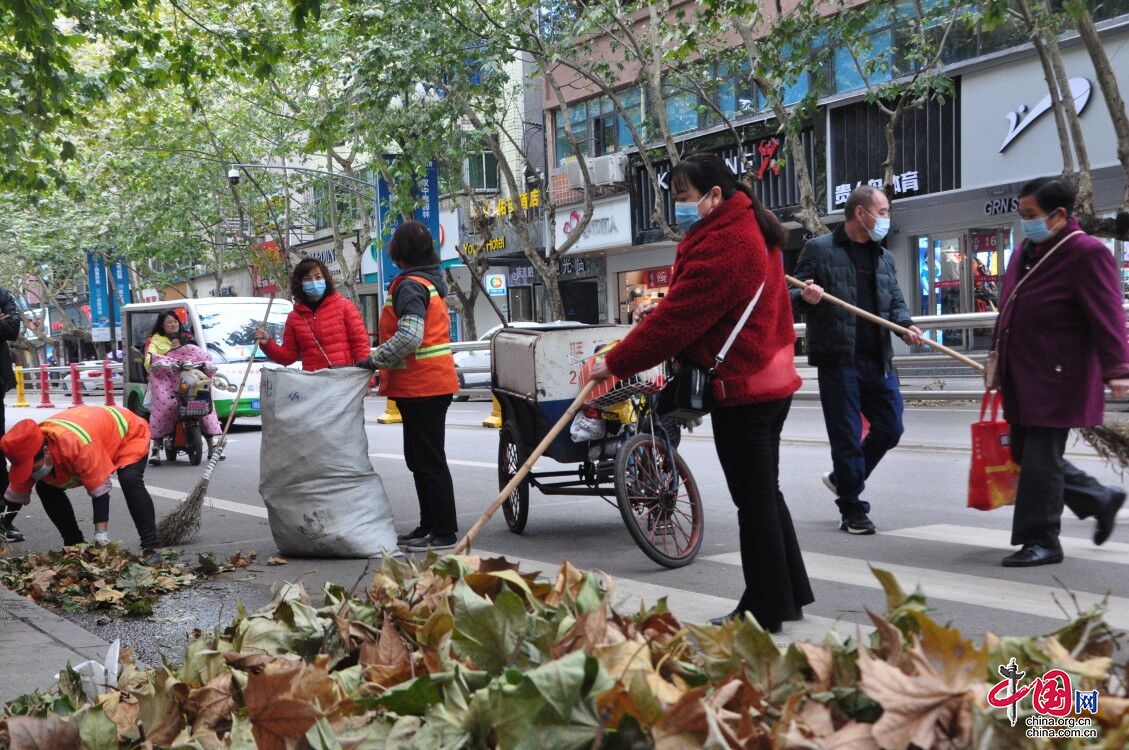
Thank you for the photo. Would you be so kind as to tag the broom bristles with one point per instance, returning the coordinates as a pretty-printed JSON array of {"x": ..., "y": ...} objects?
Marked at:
[
  {"x": 1111, "y": 442},
  {"x": 182, "y": 524}
]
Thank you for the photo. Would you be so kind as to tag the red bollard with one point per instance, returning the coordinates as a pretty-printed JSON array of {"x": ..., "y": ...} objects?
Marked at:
[
  {"x": 76, "y": 387},
  {"x": 107, "y": 382},
  {"x": 44, "y": 390}
]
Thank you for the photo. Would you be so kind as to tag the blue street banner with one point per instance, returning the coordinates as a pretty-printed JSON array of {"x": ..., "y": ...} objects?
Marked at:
[
  {"x": 122, "y": 293},
  {"x": 427, "y": 214},
  {"x": 99, "y": 288}
]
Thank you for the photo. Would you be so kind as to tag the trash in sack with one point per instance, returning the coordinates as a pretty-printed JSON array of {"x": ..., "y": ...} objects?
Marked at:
[
  {"x": 585, "y": 427},
  {"x": 322, "y": 495}
]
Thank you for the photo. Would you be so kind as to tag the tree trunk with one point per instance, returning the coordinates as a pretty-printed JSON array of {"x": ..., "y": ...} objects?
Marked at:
[
  {"x": 1110, "y": 91},
  {"x": 1049, "y": 76}
]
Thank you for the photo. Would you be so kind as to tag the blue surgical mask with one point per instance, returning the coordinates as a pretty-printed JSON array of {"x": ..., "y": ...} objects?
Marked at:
[
  {"x": 314, "y": 289},
  {"x": 1036, "y": 230},
  {"x": 881, "y": 227},
  {"x": 686, "y": 213}
]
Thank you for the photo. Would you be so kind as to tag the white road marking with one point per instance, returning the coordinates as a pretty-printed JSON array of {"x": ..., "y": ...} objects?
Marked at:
[{"x": 1000, "y": 539}]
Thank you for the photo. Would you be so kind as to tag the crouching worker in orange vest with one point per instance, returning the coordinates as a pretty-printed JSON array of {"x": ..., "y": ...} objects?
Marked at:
[{"x": 83, "y": 446}]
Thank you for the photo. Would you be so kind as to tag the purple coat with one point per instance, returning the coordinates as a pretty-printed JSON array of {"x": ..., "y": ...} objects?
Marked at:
[{"x": 1063, "y": 335}]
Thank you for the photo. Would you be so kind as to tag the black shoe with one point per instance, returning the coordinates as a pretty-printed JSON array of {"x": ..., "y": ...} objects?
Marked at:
[
  {"x": 432, "y": 542},
  {"x": 857, "y": 522},
  {"x": 419, "y": 532},
  {"x": 151, "y": 557},
  {"x": 772, "y": 627},
  {"x": 1032, "y": 555},
  {"x": 11, "y": 533},
  {"x": 829, "y": 483},
  {"x": 1107, "y": 516}
]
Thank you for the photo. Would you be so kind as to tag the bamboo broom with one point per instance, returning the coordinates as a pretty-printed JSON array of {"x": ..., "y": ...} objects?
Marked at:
[
  {"x": 182, "y": 524},
  {"x": 1110, "y": 440}
]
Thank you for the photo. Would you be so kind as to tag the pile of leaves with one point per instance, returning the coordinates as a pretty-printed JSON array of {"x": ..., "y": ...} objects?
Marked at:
[
  {"x": 473, "y": 653},
  {"x": 85, "y": 577}
]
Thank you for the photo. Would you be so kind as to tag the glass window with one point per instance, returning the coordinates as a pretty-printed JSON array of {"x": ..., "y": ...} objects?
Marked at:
[
  {"x": 681, "y": 109},
  {"x": 631, "y": 103},
  {"x": 847, "y": 72},
  {"x": 562, "y": 149},
  {"x": 482, "y": 171}
]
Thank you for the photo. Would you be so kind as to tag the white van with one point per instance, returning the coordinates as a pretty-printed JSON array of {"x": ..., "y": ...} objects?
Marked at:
[{"x": 222, "y": 326}]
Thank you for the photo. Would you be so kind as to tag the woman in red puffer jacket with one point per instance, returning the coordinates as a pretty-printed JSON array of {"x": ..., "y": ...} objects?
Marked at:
[{"x": 324, "y": 329}]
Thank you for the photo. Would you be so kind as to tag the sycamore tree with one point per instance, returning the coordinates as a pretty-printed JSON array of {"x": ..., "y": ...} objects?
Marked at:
[{"x": 1045, "y": 24}]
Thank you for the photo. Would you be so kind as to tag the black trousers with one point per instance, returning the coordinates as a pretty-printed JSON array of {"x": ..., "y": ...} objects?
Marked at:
[
  {"x": 8, "y": 516},
  {"x": 747, "y": 439},
  {"x": 1047, "y": 481},
  {"x": 425, "y": 430},
  {"x": 131, "y": 478}
]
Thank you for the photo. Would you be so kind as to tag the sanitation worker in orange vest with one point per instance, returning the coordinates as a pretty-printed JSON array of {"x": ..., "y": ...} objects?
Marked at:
[
  {"x": 83, "y": 446},
  {"x": 417, "y": 369}
]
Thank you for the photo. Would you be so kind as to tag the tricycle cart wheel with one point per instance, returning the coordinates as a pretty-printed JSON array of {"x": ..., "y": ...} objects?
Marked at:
[
  {"x": 658, "y": 499},
  {"x": 512, "y": 453}
]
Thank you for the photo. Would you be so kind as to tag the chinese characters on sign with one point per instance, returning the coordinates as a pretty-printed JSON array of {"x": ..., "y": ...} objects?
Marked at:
[
  {"x": 521, "y": 276},
  {"x": 1057, "y": 705},
  {"x": 505, "y": 206},
  {"x": 572, "y": 267},
  {"x": 906, "y": 182}
]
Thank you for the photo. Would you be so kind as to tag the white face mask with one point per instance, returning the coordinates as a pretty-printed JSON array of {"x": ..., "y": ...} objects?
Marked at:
[
  {"x": 881, "y": 226},
  {"x": 43, "y": 471}
]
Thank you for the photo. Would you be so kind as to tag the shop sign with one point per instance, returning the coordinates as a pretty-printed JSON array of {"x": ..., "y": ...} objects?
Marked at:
[
  {"x": 1011, "y": 138},
  {"x": 494, "y": 244},
  {"x": 926, "y": 156},
  {"x": 657, "y": 277},
  {"x": 521, "y": 276},
  {"x": 1001, "y": 206},
  {"x": 906, "y": 182},
  {"x": 567, "y": 267},
  {"x": 986, "y": 241},
  {"x": 495, "y": 284},
  {"x": 448, "y": 234},
  {"x": 505, "y": 206},
  {"x": 610, "y": 226}
]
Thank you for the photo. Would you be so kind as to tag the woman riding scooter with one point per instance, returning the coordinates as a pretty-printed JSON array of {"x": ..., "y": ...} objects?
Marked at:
[{"x": 163, "y": 355}]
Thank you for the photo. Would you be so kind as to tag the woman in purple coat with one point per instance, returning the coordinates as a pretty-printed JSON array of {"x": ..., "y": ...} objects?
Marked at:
[{"x": 1060, "y": 336}]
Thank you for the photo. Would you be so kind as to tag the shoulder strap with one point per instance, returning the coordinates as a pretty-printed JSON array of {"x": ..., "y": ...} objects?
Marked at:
[
  {"x": 740, "y": 324},
  {"x": 1014, "y": 289},
  {"x": 315, "y": 338}
]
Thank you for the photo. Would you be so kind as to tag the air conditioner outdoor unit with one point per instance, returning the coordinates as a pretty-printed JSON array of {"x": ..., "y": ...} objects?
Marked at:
[
  {"x": 609, "y": 169},
  {"x": 575, "y": 178}
]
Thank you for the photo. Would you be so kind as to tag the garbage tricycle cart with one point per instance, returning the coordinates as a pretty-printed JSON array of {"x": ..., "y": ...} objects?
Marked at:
[{"x": 618, "y": 442}]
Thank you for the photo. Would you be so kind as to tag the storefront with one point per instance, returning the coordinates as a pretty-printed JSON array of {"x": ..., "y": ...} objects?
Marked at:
[
  {"x": 952, "y": 247},
  {"x": 589, "y": 288}
]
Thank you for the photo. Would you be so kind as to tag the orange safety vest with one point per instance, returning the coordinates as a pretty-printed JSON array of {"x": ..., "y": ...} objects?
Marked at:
[
  {"x": 89, "y": 443},
  {"x": 430, "y": 369}
]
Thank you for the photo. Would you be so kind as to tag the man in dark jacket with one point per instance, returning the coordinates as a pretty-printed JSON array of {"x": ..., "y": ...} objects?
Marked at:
[
  {"x": 852, "y": 354},
  {"x": 9, "y": 331}
]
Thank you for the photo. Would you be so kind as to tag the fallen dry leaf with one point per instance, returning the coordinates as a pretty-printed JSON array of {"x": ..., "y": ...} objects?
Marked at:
[
  {"x": 28, "y": 733},
  {"x": 277, "y": 560}
]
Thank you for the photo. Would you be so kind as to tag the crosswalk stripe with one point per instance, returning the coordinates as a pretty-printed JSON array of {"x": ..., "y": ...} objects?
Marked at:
[
  {"x": 980, "y": 591},
  {"x": 450, "y": 461},
  {"x": 1110, "y": 552},
  {"x": 211, "y": 502}
]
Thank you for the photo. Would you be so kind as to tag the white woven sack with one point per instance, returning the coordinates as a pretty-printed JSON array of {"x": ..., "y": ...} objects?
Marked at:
[{"x": 323, "y": 497}]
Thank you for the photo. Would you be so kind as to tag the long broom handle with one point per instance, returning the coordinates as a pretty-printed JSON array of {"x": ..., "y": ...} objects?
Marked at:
[
  {"x": 891, "y": 325},
  {"x": 519, "y": 476}
]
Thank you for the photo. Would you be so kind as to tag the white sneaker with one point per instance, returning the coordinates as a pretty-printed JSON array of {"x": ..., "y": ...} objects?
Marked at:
[
  {"x": 829, "y": 484},
  {"x": 101, "y": 538}
]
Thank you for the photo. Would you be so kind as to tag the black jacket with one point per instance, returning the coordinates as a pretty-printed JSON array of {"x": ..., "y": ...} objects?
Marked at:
[
  {"x": 831, "y": 328},
  {"x": 9, "y": 331}
]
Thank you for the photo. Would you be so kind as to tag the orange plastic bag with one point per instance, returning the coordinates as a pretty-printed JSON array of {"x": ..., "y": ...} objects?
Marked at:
[{"x": 993, "y": 475}]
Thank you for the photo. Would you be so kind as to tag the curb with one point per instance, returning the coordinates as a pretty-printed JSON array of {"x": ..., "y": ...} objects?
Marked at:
[{"x": 37, "y": 642}]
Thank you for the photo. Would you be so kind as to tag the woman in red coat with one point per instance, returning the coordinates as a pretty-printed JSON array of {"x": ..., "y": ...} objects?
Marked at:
[
  {"x": 729, "y": 249},
  {"x": 324, "y": 329}
]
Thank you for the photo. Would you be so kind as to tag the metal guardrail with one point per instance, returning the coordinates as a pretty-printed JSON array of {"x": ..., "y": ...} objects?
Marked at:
[{"x": 965, "y": 389}]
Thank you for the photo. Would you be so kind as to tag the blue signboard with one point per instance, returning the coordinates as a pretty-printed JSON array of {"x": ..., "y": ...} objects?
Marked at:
[
  {"x": 122, "y": 293},
  {"x": 99, "y": 297},
  {"x": 427, "y": 214}
]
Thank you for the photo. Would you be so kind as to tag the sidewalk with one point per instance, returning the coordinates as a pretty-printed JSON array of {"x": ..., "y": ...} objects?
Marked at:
[{"x": 36, "y": 644}]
